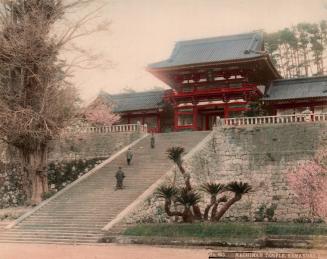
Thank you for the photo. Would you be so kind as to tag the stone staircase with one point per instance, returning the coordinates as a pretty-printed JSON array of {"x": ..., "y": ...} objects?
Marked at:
[{"x": 79, "y": 213}]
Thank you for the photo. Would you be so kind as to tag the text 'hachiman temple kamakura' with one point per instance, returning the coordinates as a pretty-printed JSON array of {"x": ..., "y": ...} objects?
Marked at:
[{"x": 217, "y": 77}]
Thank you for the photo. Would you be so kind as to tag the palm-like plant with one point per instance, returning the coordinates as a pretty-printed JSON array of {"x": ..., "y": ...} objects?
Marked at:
[
  {"x": 239, "y": 189},
  {"x": 213, "y": 189},
  {"x": 175, "y": 154},
  {"x": 188, "y": 199},
  {"x": 168, "y": 192}
]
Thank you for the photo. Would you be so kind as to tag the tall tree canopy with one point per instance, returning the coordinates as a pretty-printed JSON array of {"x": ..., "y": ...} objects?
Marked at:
[
  {"x": 36, "y": 101},
  {"x": 299, "y": 50}
]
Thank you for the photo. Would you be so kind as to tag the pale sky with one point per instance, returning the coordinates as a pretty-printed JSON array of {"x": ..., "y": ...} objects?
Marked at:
[{"x": 145, "y": 31}]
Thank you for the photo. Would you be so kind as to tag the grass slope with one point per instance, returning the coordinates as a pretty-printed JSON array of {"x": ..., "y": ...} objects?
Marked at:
[{"x": 226, "y": 230}]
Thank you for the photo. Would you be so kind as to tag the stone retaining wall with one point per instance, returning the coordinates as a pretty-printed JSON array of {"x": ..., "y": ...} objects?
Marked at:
[
  {"x": 84, "y": 146},
  {"x": 91, "y": 145},
  {"x": 259, "y": 155}
]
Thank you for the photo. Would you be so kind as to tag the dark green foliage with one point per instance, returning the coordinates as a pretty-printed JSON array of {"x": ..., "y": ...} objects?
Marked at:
[
  {"x": 260, "y": 213},
  {"x": 270, "y": 212},
  {"x": 62, "y": 174},
  {"x": 239, "y": 188},
  {"x": 265, "y": 212},
  {"x": 256, "y": 109},
  {"x": 11, "y": 186},
  {"x": 166, "y": 192},
  {"x": 212, "y": 188},
  {"x": 47, "y": 195},
  {"x": 299, "y": 50},
  {"x": 187, "y": 198},
  {"x": 59, "y": 174},
  {"x": 308, "y": 220},
  {"x": 175, "y": 153}
]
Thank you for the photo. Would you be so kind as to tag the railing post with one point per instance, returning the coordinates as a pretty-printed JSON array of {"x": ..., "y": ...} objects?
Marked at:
[
  {"x": 219, "y": 122},
  {"x": 138, "y": 127}
]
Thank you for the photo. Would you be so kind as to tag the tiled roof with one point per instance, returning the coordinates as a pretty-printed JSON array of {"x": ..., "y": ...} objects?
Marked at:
[
  {"x": 299, "y": 88},
  {"x": 225, "y": 48},
  {"x": 135, "y": 101}
]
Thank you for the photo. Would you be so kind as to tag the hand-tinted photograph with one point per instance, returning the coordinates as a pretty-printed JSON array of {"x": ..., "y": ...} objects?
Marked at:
[{"x": 161, "y": 129}]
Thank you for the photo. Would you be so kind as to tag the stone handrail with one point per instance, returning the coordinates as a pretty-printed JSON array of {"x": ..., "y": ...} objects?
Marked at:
[
  {"x": 111, "y": 129},
  {"x": 264, "y": 120}
]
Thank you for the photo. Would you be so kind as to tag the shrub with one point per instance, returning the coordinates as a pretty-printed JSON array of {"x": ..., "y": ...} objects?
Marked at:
[
  {"x": 11, "y": 186},
  {"x": 63, "y": 173},
  {"x": 59, "y": 175},
  {"x": 265, "y": 213},
  {"x": 48, "y": 194}
]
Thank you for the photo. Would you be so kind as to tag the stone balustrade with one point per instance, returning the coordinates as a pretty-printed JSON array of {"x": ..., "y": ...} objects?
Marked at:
[
  {"x": 269, "y": 120},
  {"x": 111, "y": 129}
]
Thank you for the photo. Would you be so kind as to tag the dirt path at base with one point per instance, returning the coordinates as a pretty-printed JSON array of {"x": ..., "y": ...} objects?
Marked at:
[
  {"x": 32, "y": 251},
  {"x": 26, "y": 251}
]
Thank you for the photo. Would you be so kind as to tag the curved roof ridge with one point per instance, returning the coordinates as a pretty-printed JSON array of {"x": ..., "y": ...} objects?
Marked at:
[
  {"x": 220, "y": 38},
  {"x": 216, "y": 49},
  {"x": 145, "y": 100},
  {"x": 311, "y": 78}
]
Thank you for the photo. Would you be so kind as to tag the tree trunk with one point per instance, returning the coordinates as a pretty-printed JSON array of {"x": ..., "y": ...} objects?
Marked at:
[
  {"x": 197, "y": 212},
  {"x": 35, "y": 174},
  {"x": 207, "y": 209},
  {"x": 215, "y": 207},
  {"x": 186, "y": 177},
  {"x": 187, "y": 215},
  {"x": 228, "y": 204},
  {"x": 172, "y": 213}
]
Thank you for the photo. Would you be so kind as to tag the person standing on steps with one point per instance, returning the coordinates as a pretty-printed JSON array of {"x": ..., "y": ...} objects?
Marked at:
[
  {"x": 120, "y": 178},
  {"x": 129, "y": 156},
  {"x": 152, "y": 141}
]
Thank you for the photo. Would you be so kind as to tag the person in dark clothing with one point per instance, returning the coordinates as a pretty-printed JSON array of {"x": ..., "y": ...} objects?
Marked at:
[
  {"x": 129, "y": 156},
  {"x": 152, "y": 141},
  {"x": 119, "y": 177}
]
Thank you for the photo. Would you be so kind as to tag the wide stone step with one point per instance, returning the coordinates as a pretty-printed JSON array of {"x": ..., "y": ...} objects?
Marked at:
[
  {"x": 55, "y": 240},
  {"x": 69, "y": 221},
  {"x": 53, "y": 235},
  {"x": 55, "y": 231}
]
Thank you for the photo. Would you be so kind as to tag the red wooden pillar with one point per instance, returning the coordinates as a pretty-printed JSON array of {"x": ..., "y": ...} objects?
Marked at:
[
  {"x": 226, "y": 111},
  {"x": 175, "y": 118},
  {"x": 207, "y": 121},
  {"x": 128, "y": 119},
  {"x": 195, "y": 117}
]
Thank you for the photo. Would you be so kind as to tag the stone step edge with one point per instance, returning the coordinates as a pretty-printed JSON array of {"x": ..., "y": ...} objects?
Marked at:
[
  {"x": 91, "y": 172},
  {"x": 148, "y": 192}
]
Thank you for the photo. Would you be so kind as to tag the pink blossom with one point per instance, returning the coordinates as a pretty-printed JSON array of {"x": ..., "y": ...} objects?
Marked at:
[
  {"x": 101, "y": 114},
  {"x": 308, "y": 181}
]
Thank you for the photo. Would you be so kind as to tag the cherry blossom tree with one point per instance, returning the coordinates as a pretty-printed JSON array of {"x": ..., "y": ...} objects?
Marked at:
[
  {"x": 308, "y": 181},
  {"x": 101, "y": 114}
]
